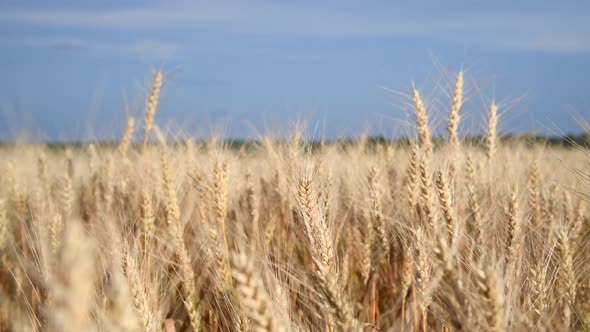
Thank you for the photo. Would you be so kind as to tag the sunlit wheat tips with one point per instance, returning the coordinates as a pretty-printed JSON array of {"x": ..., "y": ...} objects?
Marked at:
[
  {"x": 491, "y": 138},
  {"x": 454, "y": 116},
  {"x": 424, "y": 135},
  {"x": 152, "y": 105}
]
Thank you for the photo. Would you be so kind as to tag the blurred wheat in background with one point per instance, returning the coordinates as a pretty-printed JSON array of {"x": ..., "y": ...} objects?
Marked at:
[{"x": 440, "y": 234}]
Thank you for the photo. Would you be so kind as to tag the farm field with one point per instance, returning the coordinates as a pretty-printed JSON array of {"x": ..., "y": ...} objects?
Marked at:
[{"x": 442, "y": 234}]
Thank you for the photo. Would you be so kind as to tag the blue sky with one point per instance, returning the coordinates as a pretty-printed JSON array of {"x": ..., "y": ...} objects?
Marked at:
[{"x": 74, "y": 69}]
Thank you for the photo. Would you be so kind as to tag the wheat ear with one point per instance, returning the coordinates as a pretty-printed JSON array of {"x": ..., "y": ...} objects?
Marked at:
[
  {"x": 426, "y": 193},
  {"x": 454, "y": 116},
  {"x": 316, "y": 229},
  {"x": 566, "y": 277},
  {"x": 127, "y": 137},
  {"x": 513, "y": 238},
  {"x": 423, "y": 268},
  {"x": 72, "y": 288},
  {"x": 413, "y": 174},
  {"x": 513, "y": 228},
  {"x": 122, "y": 314},
  {"x": 491, "y": 133},
  {"x": 377, "y": 215},
  {"x": 422, "y": 122},
  {"x": 474, "y": 219},
  {"x": 252, "y": 201},
  {"x": 220, "y": 204},
  {"x": 363, "y": 241},
  {"x": 43, "y": 174},
  {"x": 534, "y": 194},
  {"x": 152, "y": 105},
  {"x": 446, "y": 204},
  {"x": 147, "y": 214},
  {"x": 3, "y": 225},
  {"x": 188, "y": 275},
  {"x": 253, "y": 297},
  {"x": 407, "y": 274},
  {"x": 139, "y": 292},
  {"x": 493, "y": 297},
  {"x": 67, "y": 199},
  {"x": 55, "y": 230},
  {"x": 172, "y": 210},
  {"x": 538, "y": 289},
  {"x": 322, "y": 253}
]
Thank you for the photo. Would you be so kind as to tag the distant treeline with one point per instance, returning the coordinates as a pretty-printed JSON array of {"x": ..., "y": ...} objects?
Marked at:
[{"x": 568, "y": 141}]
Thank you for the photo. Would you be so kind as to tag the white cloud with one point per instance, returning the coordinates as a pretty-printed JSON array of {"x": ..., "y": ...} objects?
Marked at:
[{"x": 545, "y": 31}]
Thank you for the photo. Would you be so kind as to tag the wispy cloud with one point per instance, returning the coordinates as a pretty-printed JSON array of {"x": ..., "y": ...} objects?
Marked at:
[
  {"x": 545, "y": 31},
  {"x": 141, "y": 48},
  {"x": 550, "y": 43}
]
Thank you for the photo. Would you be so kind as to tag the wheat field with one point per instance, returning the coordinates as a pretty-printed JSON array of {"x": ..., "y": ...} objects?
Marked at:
[{"x": 438, "y": 234}]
